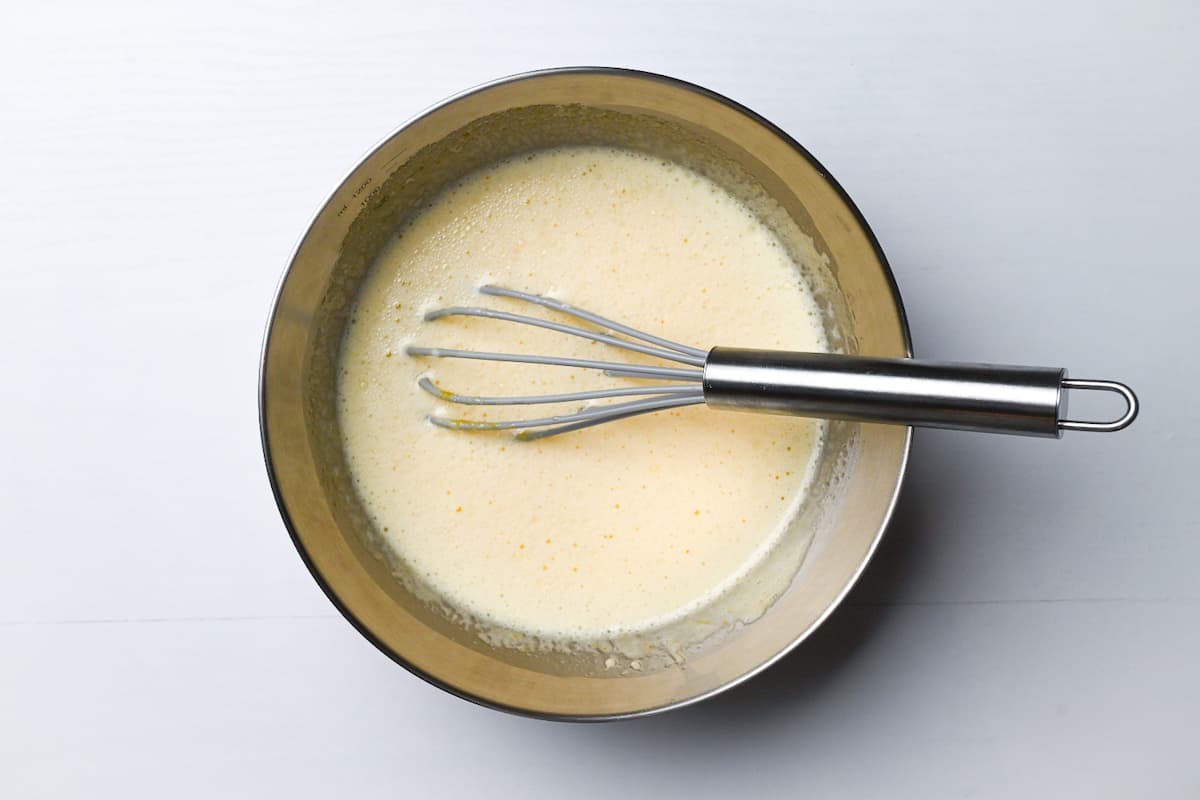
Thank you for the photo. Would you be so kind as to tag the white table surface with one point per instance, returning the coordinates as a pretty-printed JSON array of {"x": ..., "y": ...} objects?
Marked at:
[{"x": 1031, "y": 625}]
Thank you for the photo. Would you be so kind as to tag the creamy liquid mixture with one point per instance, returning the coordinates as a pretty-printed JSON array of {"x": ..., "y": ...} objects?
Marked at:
[{"x": 609, "y": 531}]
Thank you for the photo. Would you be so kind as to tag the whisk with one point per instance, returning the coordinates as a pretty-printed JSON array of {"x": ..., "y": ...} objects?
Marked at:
[{"x": 992, "y": 398}]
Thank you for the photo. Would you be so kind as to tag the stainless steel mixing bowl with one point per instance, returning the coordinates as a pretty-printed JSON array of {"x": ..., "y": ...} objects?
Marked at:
[{"x": 862, "y": 465}]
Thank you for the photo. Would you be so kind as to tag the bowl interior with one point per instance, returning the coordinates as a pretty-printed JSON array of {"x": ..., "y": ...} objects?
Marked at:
[{"x": 861, "y": 465}]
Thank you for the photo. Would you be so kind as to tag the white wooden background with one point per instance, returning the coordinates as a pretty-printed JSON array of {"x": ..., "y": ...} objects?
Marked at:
[{"x": 1031, "y": 627}]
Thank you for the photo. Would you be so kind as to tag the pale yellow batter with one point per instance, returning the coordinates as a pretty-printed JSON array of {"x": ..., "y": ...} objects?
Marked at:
[{"x": 619, "y": 528}]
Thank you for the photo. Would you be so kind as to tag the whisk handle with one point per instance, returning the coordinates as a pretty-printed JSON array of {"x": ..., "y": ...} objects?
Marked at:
[{"x": 1030, "y": 401}]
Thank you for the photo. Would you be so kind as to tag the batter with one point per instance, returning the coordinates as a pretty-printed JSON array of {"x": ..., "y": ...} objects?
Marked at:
[{"x": 609, "y": 531}]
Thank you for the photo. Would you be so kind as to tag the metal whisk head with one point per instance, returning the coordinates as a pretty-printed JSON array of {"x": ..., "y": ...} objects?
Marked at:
[{"x": 686, "y": 388}]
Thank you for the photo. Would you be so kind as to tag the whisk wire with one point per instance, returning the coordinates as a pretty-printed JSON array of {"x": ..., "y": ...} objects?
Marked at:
[
  {"x": 563, "y": 423},
  {"x": 632, "y": 370},
  {"x": 595, "y": 319},
  {"x": 567, "y": 397},
  {"x": 490, "y": 313}
]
